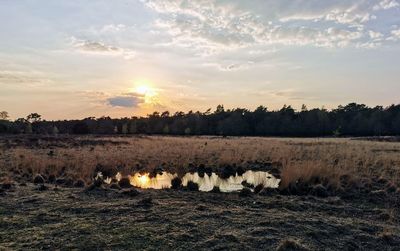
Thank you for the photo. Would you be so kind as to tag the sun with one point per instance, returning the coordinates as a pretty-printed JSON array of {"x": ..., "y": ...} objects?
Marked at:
[
  {"x": 144, "y": 180},
  {"x": 143, "y": 89},
  {"x": 146, "y": 90}
]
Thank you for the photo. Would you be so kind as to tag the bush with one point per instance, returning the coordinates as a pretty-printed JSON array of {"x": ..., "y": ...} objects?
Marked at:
[
  {"x": 52, "y": 178},
  {"x": 258, "y": 188},
  {"x": 125, "y": 183},
  {"x": 208, "y": 171},
  {"x": 79, "y": 183},
  {"x": 115, "y": 186},
  {"x": 6, "y": 185},
  {"x": 191, "y": 186},
  {"x": 227, "y": 171},
  {"x": 216, "y": 190},
  {"x": 267, "y": 191},
  {"x": 319, "y": 191},
  {"x": 176, "y": 183},
  {"x": 38, "y": 179},
  {"x": 201, "y": 170},
  {"x": 69, "y": 182},
  {"x": 245, "y": 192},
  {"x": 131, "y": 192},
  {"x": 240, "y": 171},
  {"x": 60, "y": 181}
]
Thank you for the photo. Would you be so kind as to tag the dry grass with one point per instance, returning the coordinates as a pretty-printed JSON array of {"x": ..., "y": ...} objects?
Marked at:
[
  {"x": 290, "y": 245},
  {"x": 304, "y": 159}
]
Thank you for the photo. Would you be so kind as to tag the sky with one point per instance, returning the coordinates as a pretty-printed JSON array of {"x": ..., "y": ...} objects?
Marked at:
[{"x": 75, "y": 59}]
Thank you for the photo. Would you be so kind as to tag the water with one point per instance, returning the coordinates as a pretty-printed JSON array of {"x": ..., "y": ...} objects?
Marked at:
[
  {"x": 206, "y": 183},
  {"x": 233, "y": 183}
]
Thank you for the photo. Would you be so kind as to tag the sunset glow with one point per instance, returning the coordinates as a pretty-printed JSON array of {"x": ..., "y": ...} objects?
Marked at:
[
  {"x": 144, "y": 180},
  {"x": 158, "y": 55}
]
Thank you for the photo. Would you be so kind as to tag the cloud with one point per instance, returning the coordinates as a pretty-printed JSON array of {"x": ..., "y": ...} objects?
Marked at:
[
  {"x": 375, "y": 35},
  {"x": 126, "y": 100},
  {"x": 285, "y": 94},
  {"x": 395, "y": 35},
  {"x": 209, "y": 27},
  {"x": 112, "y": 28},
  {"x": 349, "y": 15},
  {"x": 386, "y": 4},
  {"x": 227, "y": 67},
  {"x": 99, "y": 48},
  {"x": 24, "y": 78}
]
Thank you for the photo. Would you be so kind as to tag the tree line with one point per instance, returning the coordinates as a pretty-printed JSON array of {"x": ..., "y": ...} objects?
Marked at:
[{"x": 350, "y": 120}]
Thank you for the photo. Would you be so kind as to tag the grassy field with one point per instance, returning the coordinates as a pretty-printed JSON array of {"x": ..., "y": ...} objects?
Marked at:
[
  {"x": 334, "y": 194},
  {"x": 78, "y": 157}
]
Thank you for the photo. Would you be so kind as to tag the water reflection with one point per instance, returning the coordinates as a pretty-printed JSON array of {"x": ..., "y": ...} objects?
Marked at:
[
  {"x": 161, "y": 181},
  {"x": 233, "y": 183},
  {"x": 205, "y": 182}
]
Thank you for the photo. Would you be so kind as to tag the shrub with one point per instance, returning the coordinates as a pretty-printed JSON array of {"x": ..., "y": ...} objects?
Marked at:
[
  {"x": 201, "y": 169},
  {"x": 267, "y": 191},
  {"x": 60, "y": 181},
  {"x": 125, "y": 183},
  {"x": 38, "y": 179},
  {"x": 216, "y": 190},
  {"x": 6, "y": 186},
  {"x": 115, "y": 186},
  {"x": 131, "y": 192},
  {"x": 245, "y": 192},
  {"x": 319, "y": 191},
  {"x": 208, "y": 171},
  {"x": 42, "y": 187},
  {"x": 79, "y": 183},
  {"x": 158, "y": 170},
  {"x": 176, "y": 183},
  {"x": 240, "y": 171},
  {"x": 258, "y": 188},
  {"x": 191, "y": 186},
  {"x": 52, "y": 178},
  {"x": 69, "y": 182},
  {"x": 248, "y": 185},
  {"x": 227, "y": 171}
]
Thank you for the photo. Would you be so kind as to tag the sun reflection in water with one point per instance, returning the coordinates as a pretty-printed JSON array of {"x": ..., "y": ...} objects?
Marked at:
[{"x": 206, "y": 183}]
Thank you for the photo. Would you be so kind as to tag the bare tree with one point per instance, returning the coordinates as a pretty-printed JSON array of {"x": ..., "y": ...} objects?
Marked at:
[
  {"x": 34, "y": 117},
  {"x": 4, "y": 115}
]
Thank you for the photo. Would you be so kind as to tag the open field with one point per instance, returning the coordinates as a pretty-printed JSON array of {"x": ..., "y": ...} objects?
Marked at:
[{"x": 334, "y": 194}]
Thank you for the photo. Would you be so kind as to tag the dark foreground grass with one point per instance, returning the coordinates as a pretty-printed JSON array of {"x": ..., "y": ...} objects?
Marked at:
[{"x": 103, "y": 219}]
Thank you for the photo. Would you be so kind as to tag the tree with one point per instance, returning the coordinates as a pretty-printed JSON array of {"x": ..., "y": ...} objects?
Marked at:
[
  {"x": 220, "y": 109},
  {"x": 55, "y": 130},
  {"x": 105, "y": 125},
  {"x": 124, "y": 129},
  {"x": 165, "y": 114},
  {"x": 80, "y": 128},
  {"x": 166, "y": 129},
  {"x": 4, "y": 123},
  {"x": 133, "y": 127},
  {"x": 34, "y": 117},
  {"x": 350, "y": 120},
  {"x": 188, "y": 131},
  {"x": 4, "y": 115},
  {"x": 28, "y": 128},
  {"x": 208, "y": 112}
]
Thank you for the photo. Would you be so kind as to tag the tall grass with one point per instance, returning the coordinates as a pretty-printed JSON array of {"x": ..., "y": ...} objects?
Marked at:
[{"x": 300, "y": 158}]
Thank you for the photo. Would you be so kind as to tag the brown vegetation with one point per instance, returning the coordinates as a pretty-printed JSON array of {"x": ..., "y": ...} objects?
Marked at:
[{"x": 336, "y": 164}]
